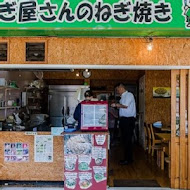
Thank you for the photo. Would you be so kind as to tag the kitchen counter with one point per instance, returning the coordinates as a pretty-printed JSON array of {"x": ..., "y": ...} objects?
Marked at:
[{"x": 30, "y": 170}]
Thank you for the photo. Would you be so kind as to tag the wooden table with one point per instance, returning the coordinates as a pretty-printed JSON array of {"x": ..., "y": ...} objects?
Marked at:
[
  {"x": 165, "y": 137},
  {"x": 162, "y": 129},
  {"x": 166, "y": 129}
]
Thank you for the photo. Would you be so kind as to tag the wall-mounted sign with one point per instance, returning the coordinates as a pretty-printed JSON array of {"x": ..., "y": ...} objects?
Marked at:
[
  {"x": 85, "y": 161},
  {"x": 43, "y": 148},
  {"x": 33, "y": 11},
  {"x": 161, "y": 92},
  {"x": 95, "y": 15}
]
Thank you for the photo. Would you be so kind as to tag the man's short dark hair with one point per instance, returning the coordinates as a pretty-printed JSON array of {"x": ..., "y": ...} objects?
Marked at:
[
  {"x": 121, "y": 85},
  {"x": 88, "y": 93}
]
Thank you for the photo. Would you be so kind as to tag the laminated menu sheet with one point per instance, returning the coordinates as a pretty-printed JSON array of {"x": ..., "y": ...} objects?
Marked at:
[
  {"x": 94, "y": 115},
  {"x": 85, "y": 161},
  {"x": 16, "y": 152},
  {"x": 43, "y": 148}
]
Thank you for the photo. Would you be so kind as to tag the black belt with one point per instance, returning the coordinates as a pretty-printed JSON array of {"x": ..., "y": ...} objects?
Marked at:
[{"x": 126, "y": 117}]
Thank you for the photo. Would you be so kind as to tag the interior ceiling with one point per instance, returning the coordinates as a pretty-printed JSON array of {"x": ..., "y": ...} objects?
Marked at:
[{"x": 96, "y": 74}]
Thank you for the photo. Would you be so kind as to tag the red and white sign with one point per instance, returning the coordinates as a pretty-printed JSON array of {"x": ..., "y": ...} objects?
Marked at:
[{"x": 85, "y": 157}]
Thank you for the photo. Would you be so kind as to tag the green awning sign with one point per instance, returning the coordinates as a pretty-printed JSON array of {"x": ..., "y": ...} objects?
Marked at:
[{"x": 145, "y": 17}]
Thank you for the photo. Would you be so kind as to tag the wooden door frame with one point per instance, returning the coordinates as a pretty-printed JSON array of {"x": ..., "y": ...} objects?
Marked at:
[{"x": 180, "y": 151}]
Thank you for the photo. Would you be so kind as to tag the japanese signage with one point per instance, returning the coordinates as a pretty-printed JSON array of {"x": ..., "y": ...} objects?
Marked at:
[
  {"x": 95, "y": 15},
  {"x": 43, "y": 148},
  {"x": 85, "y": 161},
  {"x": 25, "y": 11},
  {"x": 94, "y": 115}
]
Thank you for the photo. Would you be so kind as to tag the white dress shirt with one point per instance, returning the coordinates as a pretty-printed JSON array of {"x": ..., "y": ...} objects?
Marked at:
[{"x": 128, "y": 100}]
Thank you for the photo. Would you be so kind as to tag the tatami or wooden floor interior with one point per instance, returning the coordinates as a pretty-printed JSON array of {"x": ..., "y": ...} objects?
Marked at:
[{"x": 144, "y": 167}]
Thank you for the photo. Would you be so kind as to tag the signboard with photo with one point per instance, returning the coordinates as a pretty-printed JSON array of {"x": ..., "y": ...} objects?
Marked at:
[
  {"x": 85, "y": 157},
  {"x": 161, "y": 92}
]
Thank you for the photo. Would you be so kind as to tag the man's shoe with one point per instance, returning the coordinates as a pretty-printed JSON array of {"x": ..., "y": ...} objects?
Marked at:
[{"x": 123, "y": 162}]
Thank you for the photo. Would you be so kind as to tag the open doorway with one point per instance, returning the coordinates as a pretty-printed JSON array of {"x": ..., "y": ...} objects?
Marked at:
[{"x": 102, "y": 83}]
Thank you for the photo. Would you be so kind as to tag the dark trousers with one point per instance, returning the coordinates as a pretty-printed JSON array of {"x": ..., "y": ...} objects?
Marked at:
[{"x": 127, "y": 125}]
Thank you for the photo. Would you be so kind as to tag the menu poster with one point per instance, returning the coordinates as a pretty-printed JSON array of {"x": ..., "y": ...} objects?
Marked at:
[
  {"x": 85, "y": 157},
  {"x": 16, "y": 152},
  {"x": 94, "y": 115},
  {"x": 43, "y": 148}
]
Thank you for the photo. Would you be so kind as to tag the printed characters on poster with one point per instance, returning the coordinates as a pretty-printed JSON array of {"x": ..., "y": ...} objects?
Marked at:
[{"x": 43, "y": 148}]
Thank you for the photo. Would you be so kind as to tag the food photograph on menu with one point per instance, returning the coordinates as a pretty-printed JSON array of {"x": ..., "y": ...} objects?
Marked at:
[
  {"x": 85, "y": 161},
  {"x": 78, "y": 144}
]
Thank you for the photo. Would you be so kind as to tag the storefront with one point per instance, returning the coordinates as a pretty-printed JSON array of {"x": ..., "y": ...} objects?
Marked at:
[{"x": 98, "y": 35}]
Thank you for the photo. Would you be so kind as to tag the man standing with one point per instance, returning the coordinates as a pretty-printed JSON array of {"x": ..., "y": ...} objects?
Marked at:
[{"x": 127, "y": 114}]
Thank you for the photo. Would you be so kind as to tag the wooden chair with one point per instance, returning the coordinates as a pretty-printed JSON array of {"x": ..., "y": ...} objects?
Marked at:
[
  {"x": 145, "y": 138},
  {"x": 156, "y": 143},
  {"x": 149, "y": 138},
  {"x": 167, "y": 159},
  {"x": 164, "y": 152},
  {"x": 165, "y": 155}
]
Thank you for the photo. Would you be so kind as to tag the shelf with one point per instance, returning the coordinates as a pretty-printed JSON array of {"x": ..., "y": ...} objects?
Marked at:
[
  {"x": 12, "y": 94},
  {"x": 33, "y": 88},
  {"x": 31, "y": 97},
  {"x": 9, "y": 107},
  {"x": 34, "y": 108},
  {"x": 9, "y": 88}
]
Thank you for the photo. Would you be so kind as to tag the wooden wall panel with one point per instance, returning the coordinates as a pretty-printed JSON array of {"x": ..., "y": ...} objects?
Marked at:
[
  {"x": 31, "y": 170},
  {"x": 182, "y": 129},
  {"x": 157, "y": 109},
  {"x": 188, "y": 148},
  {"x": 175, "y": 166},
  {"x": 106, "y": 51},
  {"x": 174, "y": 145},
  {"x": 118, "y": 51},
  {"x": 17, "y": 51},
  {"x": 180, "y": 144}
]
